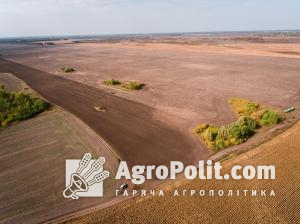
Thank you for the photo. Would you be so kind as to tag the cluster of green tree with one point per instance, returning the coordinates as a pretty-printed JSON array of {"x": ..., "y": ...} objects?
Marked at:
[
  {"x": 251, "y": 116},
  {"x": 67, "y": 69},
  {"x": 112, "y": 82},
  {"x": 133, "y": 85},
  {"x": 17, "y": 106},
  {"x": 270, "y": 117}
]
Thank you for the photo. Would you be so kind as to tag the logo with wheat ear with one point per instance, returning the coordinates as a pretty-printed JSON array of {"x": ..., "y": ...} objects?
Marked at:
[{"x": 80, "y": 185}]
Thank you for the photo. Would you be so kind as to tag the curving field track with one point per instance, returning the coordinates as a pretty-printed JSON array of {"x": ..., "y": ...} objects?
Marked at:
[{"x": 129, "y": 127}]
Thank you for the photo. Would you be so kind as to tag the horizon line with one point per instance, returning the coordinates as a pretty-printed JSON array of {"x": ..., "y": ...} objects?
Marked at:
[{"x": 145, "y": 34}]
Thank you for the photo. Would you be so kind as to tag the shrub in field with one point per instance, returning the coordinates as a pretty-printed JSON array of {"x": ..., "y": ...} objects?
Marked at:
[
  {"x": 250, "y": 117},
  {"x": 270, "y": 118},
  {"x": 243, "y": 106},
  {"x": 133, "y": 85},
  {"x": 67, "y": 69},
  {"x": 15, "y": 106},
  {"x": 112, "y": 82},
  {"x": 263, "y": 116}
]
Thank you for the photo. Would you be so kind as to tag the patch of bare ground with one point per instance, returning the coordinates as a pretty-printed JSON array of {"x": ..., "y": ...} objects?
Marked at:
[
  {"x": 283, "y": 152},
  {"x": 12, "y": 83},
  {"x": 32, "y": 157},
  {"x": 288, "y": 52}
]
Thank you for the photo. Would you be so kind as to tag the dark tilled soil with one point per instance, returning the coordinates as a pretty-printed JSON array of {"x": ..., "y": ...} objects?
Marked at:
[{"x": 129, "y": 127}]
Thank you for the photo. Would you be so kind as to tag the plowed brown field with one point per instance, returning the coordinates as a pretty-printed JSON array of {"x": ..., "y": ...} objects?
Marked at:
[{"x": 129, "y": 127}]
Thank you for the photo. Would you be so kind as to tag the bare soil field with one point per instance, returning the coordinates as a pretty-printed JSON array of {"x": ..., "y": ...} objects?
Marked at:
[
  {"x": 130, "y": 128},
  {"x": 283, "y": 152},
  {"x": 11, "y": 83},
  {"x": 188, "y": 81},
  {"x": 32, "y": 157},
  {"x": 188, "y": 77}
]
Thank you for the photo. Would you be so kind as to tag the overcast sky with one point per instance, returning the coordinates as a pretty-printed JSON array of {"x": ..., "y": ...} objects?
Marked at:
[{"x": 66, "y": 17}]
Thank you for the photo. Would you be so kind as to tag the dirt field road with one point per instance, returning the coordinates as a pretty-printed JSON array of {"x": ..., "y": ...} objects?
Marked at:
[{"x": 129, "y": 127}]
